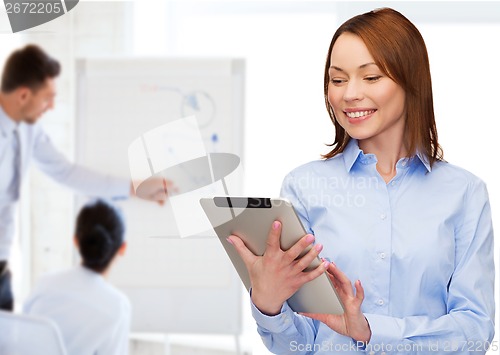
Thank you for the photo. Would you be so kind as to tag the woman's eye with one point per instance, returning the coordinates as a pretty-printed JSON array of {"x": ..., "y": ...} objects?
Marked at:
[
  {"x": 337, "y": 81},
  {"x": 373, "y": 78}
]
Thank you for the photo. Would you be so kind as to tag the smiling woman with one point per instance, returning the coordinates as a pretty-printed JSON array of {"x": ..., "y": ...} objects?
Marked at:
[
  {"x": 366, "y": 102},
  {"x": 398, "y": 58},
  {"x": 419, "y": 235}
]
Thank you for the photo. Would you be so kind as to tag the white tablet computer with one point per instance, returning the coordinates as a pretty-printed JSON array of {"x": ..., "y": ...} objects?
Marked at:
[{"x": 250, "y": 219}]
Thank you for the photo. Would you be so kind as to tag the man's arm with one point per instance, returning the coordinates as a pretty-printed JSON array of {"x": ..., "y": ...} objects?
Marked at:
[{"x": 52, "y": 162}]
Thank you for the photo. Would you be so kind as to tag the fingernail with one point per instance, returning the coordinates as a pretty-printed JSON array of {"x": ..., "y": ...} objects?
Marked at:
[
  {"x": 310, "y": 238},
  {"x": 325, "y": 264},
  {"x": 276, "y": 225},
  {"x": 318, "y": 247},
  {"x": 229, "y": 240}
]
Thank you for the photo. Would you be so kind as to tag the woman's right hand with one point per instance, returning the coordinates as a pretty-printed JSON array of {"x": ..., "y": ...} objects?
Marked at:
[{"x": 278, "y": 274}]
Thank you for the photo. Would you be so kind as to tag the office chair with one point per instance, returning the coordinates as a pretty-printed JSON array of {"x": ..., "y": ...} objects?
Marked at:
[{"x": 27, "y": 335}]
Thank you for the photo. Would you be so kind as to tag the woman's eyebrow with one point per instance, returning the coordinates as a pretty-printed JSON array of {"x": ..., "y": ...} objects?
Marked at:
[{"x": 360, "y": 67}]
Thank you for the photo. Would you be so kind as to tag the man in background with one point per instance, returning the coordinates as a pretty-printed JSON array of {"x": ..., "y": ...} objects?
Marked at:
[{"x": 27, "y": 92}]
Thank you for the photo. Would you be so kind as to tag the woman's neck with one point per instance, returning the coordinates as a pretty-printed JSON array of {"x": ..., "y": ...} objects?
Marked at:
[{"x": 388, "y": 153}]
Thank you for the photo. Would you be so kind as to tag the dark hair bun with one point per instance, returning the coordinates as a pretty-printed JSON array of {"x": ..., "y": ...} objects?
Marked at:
[
  {"x": 96, "y": 246},
  {"x": 99, "y": 231}
]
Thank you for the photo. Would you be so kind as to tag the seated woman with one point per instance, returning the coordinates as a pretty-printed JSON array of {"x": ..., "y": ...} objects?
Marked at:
[{"x": 93, "y": 316}]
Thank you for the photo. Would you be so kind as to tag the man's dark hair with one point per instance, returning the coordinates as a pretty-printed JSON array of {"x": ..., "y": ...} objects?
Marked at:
[{"x": 29, "y": 66}]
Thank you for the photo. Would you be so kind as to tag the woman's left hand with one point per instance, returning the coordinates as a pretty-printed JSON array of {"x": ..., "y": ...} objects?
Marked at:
[{"x": 352, "y": 322}]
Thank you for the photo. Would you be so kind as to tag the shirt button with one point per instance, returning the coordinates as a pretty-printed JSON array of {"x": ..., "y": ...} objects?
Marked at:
[
  {"x": 382, "y": 255},
  {"x": 380, "y": 302},
  {"x": 393, "y": 183},
  {"x": 403, "y": 163},
  {"x": 383, "y": 216}
]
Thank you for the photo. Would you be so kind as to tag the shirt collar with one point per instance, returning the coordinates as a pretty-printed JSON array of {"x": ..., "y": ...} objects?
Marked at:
[
  {"x": 88, "y": 272},
  {"x": 424, "y": 160},
  {"x": 353, "y": 153},
  {"x": 7, "y": 125}
]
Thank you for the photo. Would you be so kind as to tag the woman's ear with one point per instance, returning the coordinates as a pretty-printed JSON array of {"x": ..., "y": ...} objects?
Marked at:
[
  {"x": 75, "y": 242},
  {"x": 122, "y": 249}
]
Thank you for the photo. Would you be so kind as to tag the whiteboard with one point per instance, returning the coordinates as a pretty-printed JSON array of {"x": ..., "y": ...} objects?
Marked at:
[{"x": 184, "y": 285}]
